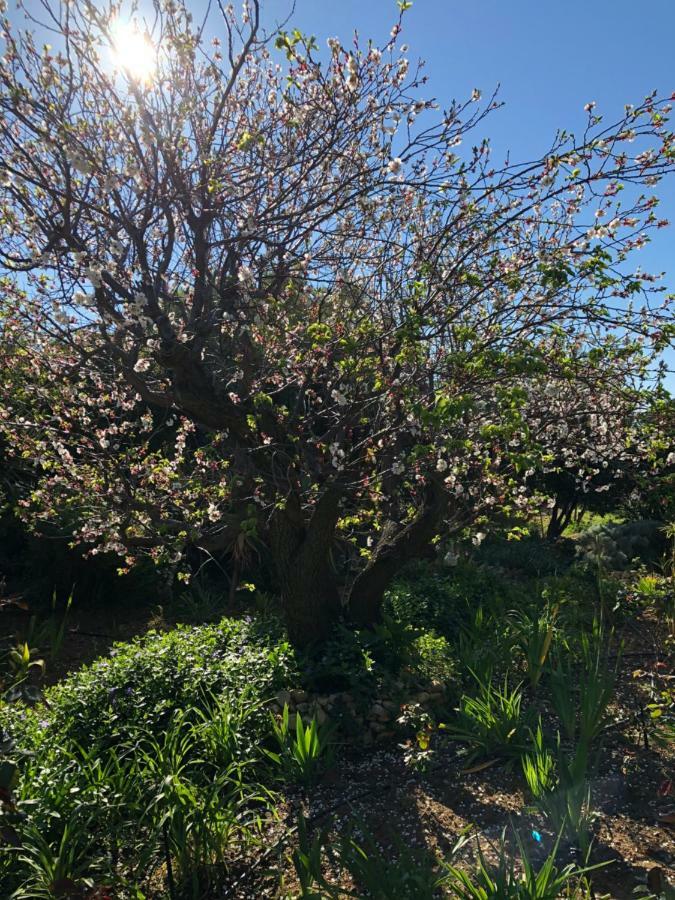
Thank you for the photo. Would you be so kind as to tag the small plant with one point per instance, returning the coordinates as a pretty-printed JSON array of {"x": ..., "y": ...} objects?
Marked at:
[
  {"x": 433, "y": 658},
  {"x": 491, "y": 723},
  {"x": 50, "y": 634},
  {"x": 392, "y": 643},
  {"x": 535, "y": 635},
  {"x": 22, "y": 667},
  {"x": 419, "y": 752},
  {"x": 58, "y": 868},
  {"x": 504, "y": 880},
  {"x": 539, "y": 765},
  {"x": 402, "y": 874},
  {"x": 303, "y": 752},
  {"x": 308, "y": 864},
  {"x": 596, "y": 686},
  {"x": 581, "y": 694},
  {"x": 561, "y": 679},
  {"x": 560, "y": 789},
  {"x": 199, "y": 604}
]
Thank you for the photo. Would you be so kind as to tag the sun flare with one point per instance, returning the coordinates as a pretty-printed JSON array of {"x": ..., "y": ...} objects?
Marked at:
[{"x": 133, "y": 52}]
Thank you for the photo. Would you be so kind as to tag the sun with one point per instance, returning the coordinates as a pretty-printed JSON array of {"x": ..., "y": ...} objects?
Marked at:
[{"x": 133, "y": 52}]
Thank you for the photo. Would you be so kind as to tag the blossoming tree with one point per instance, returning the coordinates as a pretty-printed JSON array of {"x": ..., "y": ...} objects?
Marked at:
[
  {"x": 600, "y": 442},
  {"x": 259, "y": 288}
]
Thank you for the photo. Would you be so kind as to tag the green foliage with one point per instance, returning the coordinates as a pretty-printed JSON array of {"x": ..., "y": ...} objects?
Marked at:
[
  {"x": 581, "y": 692},
  {"x": 445, "y": 602},
  {"x": 180, "y": 797},
  {"x": 535, "y": 636},
  {"x": 433, "y": 658},
  {"x": 529, "y": 557},
  {"x": 538, "y": 765},
  {"x": 402, "y": 874},
  {"x": 172, "y": 725},
  {"x": 615, "y": 546},
  {"x": 391, "y": 643},
  {"x": 141, "y": 683},
  {"x": 344, "y": 662},
  {"x": 308, "y": 863},
  {"x": 505, "y": 880},
  {"x": 22, "y": 668},
  {"x": 304, "y": 751},
  {"x": 596, "y": 687},
  {"x": 491, "y": 723},
  {"x": 559, "y": 785},
  {"x": 407, "y": 874}
]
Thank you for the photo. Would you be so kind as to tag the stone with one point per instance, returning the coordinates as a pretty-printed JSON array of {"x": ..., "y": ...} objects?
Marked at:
[
  {"x": 283, "y": 698},
  {"x": 377, "y": 711}
]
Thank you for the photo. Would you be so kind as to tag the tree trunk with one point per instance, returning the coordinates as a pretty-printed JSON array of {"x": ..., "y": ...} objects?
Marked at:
[
  {"x": 395, "y": 548},
  {"x": 561, "y": 516},
  {"x": 301, "y": 551}
]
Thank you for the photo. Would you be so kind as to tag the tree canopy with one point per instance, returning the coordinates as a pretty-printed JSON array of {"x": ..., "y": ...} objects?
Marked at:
[{"x": 270, "y": 291}]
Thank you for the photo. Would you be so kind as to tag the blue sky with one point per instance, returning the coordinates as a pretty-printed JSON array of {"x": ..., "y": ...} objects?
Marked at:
[{"x": 549, "y": 57}]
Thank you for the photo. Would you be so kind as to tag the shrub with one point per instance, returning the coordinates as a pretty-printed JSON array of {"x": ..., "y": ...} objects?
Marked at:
[
  {"x": 148, "y": 753},
  {"x": 141, "y": 683},
  {"x": 344, "y": 662},
  {"x": 433, "y": 658},
  {"x": 445, "y": 602},
  {"x": 531, "y": 556},
  {"x": 614, "y": 546}
]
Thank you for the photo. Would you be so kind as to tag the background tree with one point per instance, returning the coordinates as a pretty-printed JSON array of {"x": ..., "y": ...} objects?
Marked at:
[
  {"x": 600, "y": 443},
  {"x": 249, "y": 281}
]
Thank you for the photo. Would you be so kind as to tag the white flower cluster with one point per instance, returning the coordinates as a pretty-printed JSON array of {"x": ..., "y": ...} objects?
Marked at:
[
  {"x": 398, "y": 467},
  {"x": 246, "y": 277},
  {"x": 352, "y": 80},
  {"x": 339, "y": 397},
  {"x": 95, "y": 275},
  {"x": 395, "y": 165},
  {"x": 137, "y": 310},
  {"x": 337, "y": 456}
]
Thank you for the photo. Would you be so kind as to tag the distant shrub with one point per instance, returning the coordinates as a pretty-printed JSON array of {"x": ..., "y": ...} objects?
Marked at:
[
  {"x": 614, "y": 546},
  {"x": 531, "y": 557},
  {"x": 356, "y": 661},
  {"x": 444, "y": 601}
]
